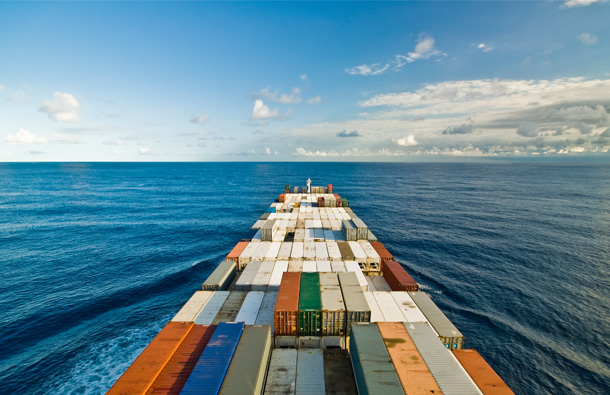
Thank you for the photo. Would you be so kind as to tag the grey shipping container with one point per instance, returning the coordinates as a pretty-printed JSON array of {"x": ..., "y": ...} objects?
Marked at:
[
  {"x": 282, "y": 373},
  {"x": 310, "y": 372},
  {"x": 333, "y": 310},
  {"x": 356, "y": 306},
  {"x": 268, "y": 230},
  {"x": 230, "y": 307},
  {"x": 221, "y": 277},
  {"x": 362, "y": 229},
  {"x": 244, "y": 282},
  {"x": 447, "y": 332},
  {"x": 349, "y": 230},
  {"x": 209, "y": 312},
  {"x": 447, "y": 371},
  {"x": 246, "y": 374},
  {"x": 373, "y": 369}
]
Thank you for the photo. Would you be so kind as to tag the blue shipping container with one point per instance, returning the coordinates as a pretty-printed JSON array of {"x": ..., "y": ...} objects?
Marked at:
[{"x": 211, "y": 368}]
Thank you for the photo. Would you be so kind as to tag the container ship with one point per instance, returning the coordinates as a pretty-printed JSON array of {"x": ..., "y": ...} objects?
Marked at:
[{"x": 309, "y": 302}]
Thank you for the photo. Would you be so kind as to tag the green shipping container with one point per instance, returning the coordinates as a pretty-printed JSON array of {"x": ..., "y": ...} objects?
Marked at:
[{"x": 310, "y": 305}]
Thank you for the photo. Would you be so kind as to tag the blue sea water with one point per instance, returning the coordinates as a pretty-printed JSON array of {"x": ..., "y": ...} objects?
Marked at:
[{"x": 96, "y": 257}]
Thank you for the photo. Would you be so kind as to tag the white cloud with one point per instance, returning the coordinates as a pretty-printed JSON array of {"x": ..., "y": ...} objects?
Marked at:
[
  {"x": 2, "y": 87},
  {"x": 24, "y": 136},
  {"x": 64, "y": 138},
  {"x": 314, "y": 100},
  {"x": 294, "y": 97},
  {"x": 117, "y": 152},
  {"x": 18, "y": 95},
  {"x": 424, "y": 49},
  {"x": 63, "y": 108},
  {"x": 408, "y": 141},
  {"x": 300, "y": 151},
  {"x": 261, "y": 113},
  {"x": 484, "y": 47},
  {"x": 303, "y": 77},
  {"x": 373, "y": 69},
  {"x": 199, "y": 119},
  {"x": 580, "y": 3},
  {"x": 588, "y": 38},
  {"x": 144, "y": 151}
]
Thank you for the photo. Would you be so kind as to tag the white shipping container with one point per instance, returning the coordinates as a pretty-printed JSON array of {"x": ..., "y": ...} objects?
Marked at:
[
  {"x": 259, "y": 224},
  {"x": 246, "y": 256},
  {"x": 272, "y": 216},
  {"x": 276, "y": 277},
  {"x": 244, "y": 282},
  {"x": 309, "y": 224},
  {"x": 309, "y": 251},
  {"x": 376, "y": 314},
  {"x": 265, "y": 313},
  {"x": 388, "y": 307},
  {"x": 294, "y": 215},
  {"x": 274, "y": 249},
  {"x": 317, "y": 223},
  {"x": 212, "y": 307},
  {"x": 334, "y": 254},
  {"x": 261, "y": 280},
  {"x": 191, "y": 308},
  {"x": 338, "y": 266},
  {"x": 372, "y": 256},
  {"x": 323, "y": 266},
  {"x": 249, "y": 309},
  {"x": 331, "y": 214},
  {"x": 321, "y": 251},
  {"x": 261, "y": 251},
  {"x": 309, "y": 266},
  {"x": 353, "y": 266},
  {"x": 407, "y": 306},
  {"x": 329, "y": 235},
  {"x": 279, "y": 235},
  {"x": 285, "y": 250},
  {"x": 297, "y": 250},
  {"x": 295, "y": 266},
  {"x": 339, "y": 236},
  {"x": 359, "y": 255},
  {"x": 292, "y": 225},
  {"x": 335, "y": 224},
  {"x": 318, "y": 234},
  {"x": 310, "y": 372}
]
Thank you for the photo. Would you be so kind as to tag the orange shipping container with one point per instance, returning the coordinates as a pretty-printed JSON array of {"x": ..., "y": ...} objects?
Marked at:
[
  {"x": 412, "y": 371},
  {"x": 181, "y": 364},
  {"x": 482, "y": 374},
  {"x": 236, "y": 251},
  {"x": 285, "y": 315},
  {"x": 281, "y": 198},
  {"x": 138, "y": 378}
]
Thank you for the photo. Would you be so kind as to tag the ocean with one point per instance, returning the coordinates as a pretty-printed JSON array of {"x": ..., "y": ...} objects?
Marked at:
[{"x": 96, "y": 257}]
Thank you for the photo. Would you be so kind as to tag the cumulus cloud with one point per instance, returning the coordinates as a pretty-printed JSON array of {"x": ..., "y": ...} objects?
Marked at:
[
  {"x": 199, "y": 119},
  {"x": 463, "y": 129},
  {"x": 300, "y": 151},
  {"x": 408, "y": 141},
  {"x": 345, "y": 133},
  {"x": 424, "y": 49},
  {"x": 24, "y": 136},
  {"x": 63, "y": 108},
  {"x": 262, "y": 113},
  {"x": 484, "y": 47},
  {"x": 527, "y": 130},
  {"x": 579, "y": 3},
  {"x": 588, "y": 38},
  {"x": 294, "y": 97}
]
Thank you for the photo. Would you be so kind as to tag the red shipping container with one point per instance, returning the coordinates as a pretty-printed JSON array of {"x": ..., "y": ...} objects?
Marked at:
[
  {"x": 236, "y": 251},
  {"x": 398, "y": 279},
  {"x": 339, "y": 201},
  {"x": 320, "y": 202},
  {"x": 138, "y": 378},
  {"x": 281, "y": 198},
  {"x": 181, "y": 364},
  {"x": 286, "y": 313},
  {"x": 329, "y": 188}
]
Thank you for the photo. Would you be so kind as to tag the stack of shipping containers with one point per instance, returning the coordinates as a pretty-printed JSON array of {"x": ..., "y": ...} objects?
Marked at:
[{"x": 308, "y": 283}]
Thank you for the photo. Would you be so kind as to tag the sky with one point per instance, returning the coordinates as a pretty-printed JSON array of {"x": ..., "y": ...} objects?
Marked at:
[{"x": 304, "y": 81}]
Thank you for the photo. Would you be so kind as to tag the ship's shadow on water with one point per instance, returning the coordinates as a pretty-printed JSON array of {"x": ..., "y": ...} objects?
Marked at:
[{"x": 98, "y": 257}]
